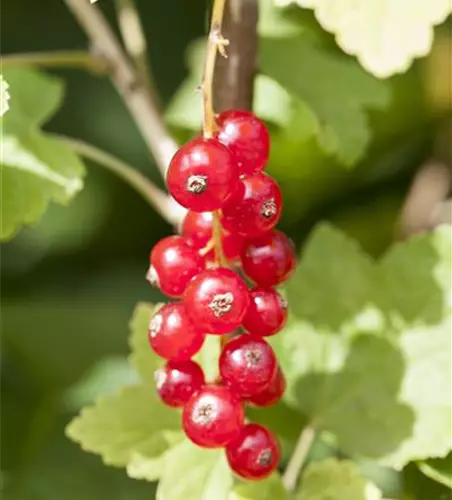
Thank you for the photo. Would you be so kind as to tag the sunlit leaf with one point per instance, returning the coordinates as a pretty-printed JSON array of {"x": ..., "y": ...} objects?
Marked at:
[
  {"x": 385, "y": 35},
  {"x": 335, "y": 480}
]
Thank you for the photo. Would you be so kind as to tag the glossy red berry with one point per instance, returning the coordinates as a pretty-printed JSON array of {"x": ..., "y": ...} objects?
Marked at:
[
  {"x": 273, "y": 393},
  {"x": 247, "y": 138},
  {"x": 213, "y": 416},
  {"x": 197, "y": 228},
  {"x": 247, "y": 365},
  {"x": 269, "y": 259},
  {"x": 267, "y": 312},
  {"x": 255, "y": 206},
  {"x": 177, "y": 381},
  {"x": 173, "y": 264},
  {"x": 255, "y": 453},
  {"x": 172, "y": 335},
  {"x": 217, "y": 300},
  {"x": 202, "y": 175}
]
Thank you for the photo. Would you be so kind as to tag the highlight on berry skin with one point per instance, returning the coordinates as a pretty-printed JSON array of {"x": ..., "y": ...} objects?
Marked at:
[{"x": 228, "y": 239}]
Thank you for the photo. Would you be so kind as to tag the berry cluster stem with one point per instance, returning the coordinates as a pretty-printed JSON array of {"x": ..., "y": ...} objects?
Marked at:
[
  {"x": 215, "y": 43},
  {"x": 217, "y": 240}
]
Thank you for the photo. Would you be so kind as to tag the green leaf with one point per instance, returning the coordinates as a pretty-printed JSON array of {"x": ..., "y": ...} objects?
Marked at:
[
  {"x": 332, "y": 479},
  {"x": 385, "y": 35},
  {"x": 34, "y": 98},
  {"x": 438, "y": 469},
  {"x": 132, "y": 428},
  {"x": 426, "y": 389},
  {"x": 4, "y": 96},
  {"x": 374, "y": 373},
  {"x": 423, "y": 265},
  {"x": 348, "y": 387},
  {"x": 36, "y": 169},
  {"x": 336, "y": 90},
  {"x": 271, "y": 488},
  {"x": 335, "y": 282},
  {"x": 193, "y": 473},
  {"x": 130, "y": 424},
  {"x": 105, "y": 377},
  {"x": 208, "y": 357}
]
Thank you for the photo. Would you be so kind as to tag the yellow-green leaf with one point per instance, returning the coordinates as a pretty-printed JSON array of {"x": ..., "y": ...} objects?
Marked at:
[
  {"x": 385, "y": 35},
  {"x": 332, "y": 479}
]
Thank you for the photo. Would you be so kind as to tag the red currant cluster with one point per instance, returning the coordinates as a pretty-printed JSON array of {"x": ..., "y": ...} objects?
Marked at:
[{"x": 220, "y": 181}]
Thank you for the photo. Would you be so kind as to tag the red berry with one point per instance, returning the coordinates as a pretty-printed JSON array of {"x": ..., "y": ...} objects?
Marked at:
[
  {"x": 267, "y": 312},
  {"x": 255, "y": 206},
  {"x": 173, "y": 264},
  {"x": 246, "y": 137},
  {"x": 172, "y": 335},
  {"x": 254, "y": 454},
  {"x": 202, "y": 175},
  {"x": 273, "y": 393},
  {"x": 217, "y": 300},
  {"x": 269, "y": 259},
  {"x": 177, "y": 381},
  {"x": 247, "y": 365},
  {"x": 197, "y": 228},
  {"x": 213, "y": 417}
]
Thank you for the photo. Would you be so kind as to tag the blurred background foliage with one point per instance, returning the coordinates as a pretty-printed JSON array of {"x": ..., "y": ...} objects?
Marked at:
[{"x": 70, "y": 283}]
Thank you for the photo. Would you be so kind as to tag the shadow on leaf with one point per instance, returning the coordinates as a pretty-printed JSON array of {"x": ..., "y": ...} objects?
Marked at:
[{"x": 359, "y": 402}]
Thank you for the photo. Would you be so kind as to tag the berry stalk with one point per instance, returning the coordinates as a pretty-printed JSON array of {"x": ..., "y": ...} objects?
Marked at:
[{"x": 215, "y": 43}]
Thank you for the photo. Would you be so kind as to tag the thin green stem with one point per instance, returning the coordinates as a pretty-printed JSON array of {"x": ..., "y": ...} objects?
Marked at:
[
  {"x": 298, "y": 458},
  {"x": 58, "y": 59},
  {"x": 157, "y": 198}
]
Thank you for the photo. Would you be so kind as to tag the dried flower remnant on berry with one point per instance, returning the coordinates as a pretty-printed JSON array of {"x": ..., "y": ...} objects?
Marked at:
[
  {"x": 197, "y": 184},
  {"x": 204, "y": 414},
  {"x": 222, "y": 304},
  {"x": 269, "y": 208}
]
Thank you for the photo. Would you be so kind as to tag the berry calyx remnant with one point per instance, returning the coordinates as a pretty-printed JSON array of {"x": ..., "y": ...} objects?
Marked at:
[
  {"x": 202, "y": 175},
  {"x": 217, "y": 300},
  {"x": 254, "y": 454},
  {"x": 247, "y": 365},
  {"x": 255, "y": 206},
  {"x": 213, "y": 416}
]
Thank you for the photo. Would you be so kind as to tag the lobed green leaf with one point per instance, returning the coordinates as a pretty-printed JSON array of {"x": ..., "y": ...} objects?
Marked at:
[{"x": 332, "y": 479}]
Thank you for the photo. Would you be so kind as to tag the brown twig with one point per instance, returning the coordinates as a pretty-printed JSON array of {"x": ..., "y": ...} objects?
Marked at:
[
  {"x": 134, "y": 93},
  {"x": 426, "y": 204},
  {"x": 234, "y": 76}
]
